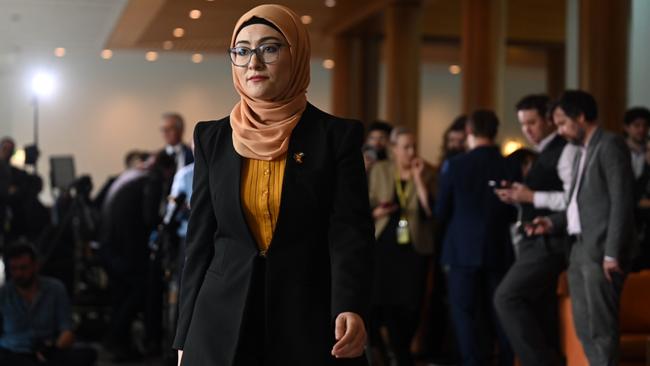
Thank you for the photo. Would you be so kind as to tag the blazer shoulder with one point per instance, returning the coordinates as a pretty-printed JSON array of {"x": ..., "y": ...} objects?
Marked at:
[
  {"x": 209, "y": 127},
  {"x": 331, "y": 122}
]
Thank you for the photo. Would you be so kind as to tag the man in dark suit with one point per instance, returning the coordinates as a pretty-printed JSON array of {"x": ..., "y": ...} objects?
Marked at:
[
  {"x": 476, "y": 247},
  {"x": 172, "y": 130},
  {"x": 525, "y": 300},
  {"x": 129, "y": 214},
  {"x": 600, "y": 220}
]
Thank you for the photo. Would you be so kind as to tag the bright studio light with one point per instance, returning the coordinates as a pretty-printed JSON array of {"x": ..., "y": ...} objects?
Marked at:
[{"x": 42, "y": 84}]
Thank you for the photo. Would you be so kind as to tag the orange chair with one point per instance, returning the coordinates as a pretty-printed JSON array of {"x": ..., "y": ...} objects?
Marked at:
[{"x": 634, "y": 322}]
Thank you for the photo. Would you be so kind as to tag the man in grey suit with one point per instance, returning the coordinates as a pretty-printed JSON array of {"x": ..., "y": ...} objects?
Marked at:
[{"x": 599, "y": 219}]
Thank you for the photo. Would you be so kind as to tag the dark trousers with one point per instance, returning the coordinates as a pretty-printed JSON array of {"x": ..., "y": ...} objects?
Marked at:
[
  {"x": 401, "y": 322},
  {"x": 526, "y": 302},
  {"x": 128, "y": 298},
  {"x": 251, "y": 346},
  {"x": 595, "y": 305},
  {"x": 475, "y": 321},
  {"x": 67, "y": 357}
]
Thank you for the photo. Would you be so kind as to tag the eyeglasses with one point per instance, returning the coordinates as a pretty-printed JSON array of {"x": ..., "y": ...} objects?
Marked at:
[{"x": 267, "y": 53}]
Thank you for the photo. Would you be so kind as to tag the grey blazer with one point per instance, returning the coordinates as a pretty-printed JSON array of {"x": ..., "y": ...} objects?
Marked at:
[{"x": 605, "y": 201}]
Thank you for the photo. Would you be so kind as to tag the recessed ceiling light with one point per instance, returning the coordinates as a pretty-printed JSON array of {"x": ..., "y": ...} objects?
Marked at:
[
  {"x": 197, "y": 58},
  {"x": 179, "y": 32},
  {"x": 454, "y": 69},
  {"x": 107, "y": 54},
  {"x": 330, "y": 3},
  {"x": 151, "y": 56},
  {"x": 329, "y": 64},
  {"x": 195, "y": 14},
  {"x": 306, "y": 19},
  {"x": 59, "y": 52},
  {"x": 168, "y": 45}
]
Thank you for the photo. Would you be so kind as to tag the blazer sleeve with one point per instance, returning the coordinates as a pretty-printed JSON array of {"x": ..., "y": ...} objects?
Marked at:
[
  {"x": 199, "y": 248},
  {"x": 620, "y": 185},
  {"x": 351, "y": 232},
  {"x": 443, "y": 206}
]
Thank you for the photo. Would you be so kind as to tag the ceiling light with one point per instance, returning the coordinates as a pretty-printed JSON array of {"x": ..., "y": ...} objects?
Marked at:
[
  {"x": 454, "y": 69},
  {"x": 510, "y": 146},
  {"x": 59, "y": 52},
  {"x": 151, "y": 56},
  {"x": 195, "y": 14},
  {"x": 197, "y": 58},
  {"x": 330, "y": 3},
  {"x": 306, "y": 19},
  {"x": 179, "y": 32},
  {"x": 168, "y": 45},
  {"x": 329, "y": 64},
  {"x": 107, "y": 54}
]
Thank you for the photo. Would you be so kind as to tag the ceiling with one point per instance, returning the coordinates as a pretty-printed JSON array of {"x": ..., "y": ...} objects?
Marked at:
[
  {"x": 146, "y": 24},
  {"x": 27, "y": 24},
  {"x": 90, "y": 25}
]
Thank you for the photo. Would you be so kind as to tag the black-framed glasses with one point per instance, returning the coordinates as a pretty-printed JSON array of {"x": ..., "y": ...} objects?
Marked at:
[{"x": 267, "y": 53}]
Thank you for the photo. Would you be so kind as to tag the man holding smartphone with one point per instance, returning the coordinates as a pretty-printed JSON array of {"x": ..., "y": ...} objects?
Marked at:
[{"x": 525, "y": 300}]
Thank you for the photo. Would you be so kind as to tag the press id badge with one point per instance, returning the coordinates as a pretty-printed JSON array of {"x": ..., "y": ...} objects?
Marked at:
[{"x": 403, "y": 233}]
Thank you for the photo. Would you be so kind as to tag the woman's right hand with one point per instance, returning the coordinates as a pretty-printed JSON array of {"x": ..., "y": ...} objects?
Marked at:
[
  {"x": 383, "y": 210},
  {"x": 180, "y": 356}
]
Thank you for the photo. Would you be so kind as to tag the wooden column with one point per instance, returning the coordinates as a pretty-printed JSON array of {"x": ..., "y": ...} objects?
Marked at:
[
  {"x": 555, "y": 71},
  {"x": 403, "y": 35},
  {"x": 482, "y": 53},
  {"x": 342, "y": 92},
  {"x": 604, "y": 30},
  {"x": 368, "y": 70}
]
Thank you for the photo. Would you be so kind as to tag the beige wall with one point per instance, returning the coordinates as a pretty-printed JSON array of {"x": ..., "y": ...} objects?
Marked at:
[{"x": 102, "y": 109}]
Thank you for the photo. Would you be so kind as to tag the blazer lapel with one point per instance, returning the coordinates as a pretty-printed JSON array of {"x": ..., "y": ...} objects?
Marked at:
[
  {"x": 234, "y": 163},
  {"x": 297, "y": 156},
  {"x": 594, "y": 143}
]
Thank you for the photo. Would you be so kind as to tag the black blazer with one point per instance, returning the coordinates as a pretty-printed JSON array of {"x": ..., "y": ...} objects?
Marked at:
[
  {"x": 477, "y": 223},
  {"x": 319, "y": 261}
]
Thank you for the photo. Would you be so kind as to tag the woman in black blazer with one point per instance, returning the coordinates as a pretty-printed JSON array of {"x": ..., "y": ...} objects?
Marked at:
[{"x": 302, "y": 297}]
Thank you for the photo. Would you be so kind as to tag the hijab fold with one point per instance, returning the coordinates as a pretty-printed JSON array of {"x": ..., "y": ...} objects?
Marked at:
[{"x": 261, "y": 128}]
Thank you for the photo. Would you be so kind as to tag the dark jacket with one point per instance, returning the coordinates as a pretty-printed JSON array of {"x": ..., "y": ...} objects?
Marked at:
[
  {"x": 129, "y": 214},
  {"x": 476, "y": 221},
  {"x": 319, "y": 261}
]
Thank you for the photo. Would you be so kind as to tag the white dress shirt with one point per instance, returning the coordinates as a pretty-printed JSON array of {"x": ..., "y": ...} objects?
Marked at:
[
  {"x": 557, "y": 200},
  {"x": 177, "y": 150},
  {"x": 638, "y": 162}
]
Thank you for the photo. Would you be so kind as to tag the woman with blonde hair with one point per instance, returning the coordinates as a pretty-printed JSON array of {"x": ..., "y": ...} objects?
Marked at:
[{"x": 401, "y": 197}]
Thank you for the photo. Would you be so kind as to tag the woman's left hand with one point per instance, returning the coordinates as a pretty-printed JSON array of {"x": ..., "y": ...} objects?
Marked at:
[{"x": 350, "y": 333}]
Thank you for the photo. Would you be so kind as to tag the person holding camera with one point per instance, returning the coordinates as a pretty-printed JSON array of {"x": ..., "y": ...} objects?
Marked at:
[{"x": 35, "y": 316}]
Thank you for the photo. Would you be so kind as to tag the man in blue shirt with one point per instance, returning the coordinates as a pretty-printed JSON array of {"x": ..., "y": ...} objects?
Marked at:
[{"x": 35, "y": 316}]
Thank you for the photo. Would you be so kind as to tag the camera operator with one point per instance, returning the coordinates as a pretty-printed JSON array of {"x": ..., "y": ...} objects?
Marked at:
[
  {"x": 129, "y": 214},
  {"x": 35, "y": 316},
  {"x": 28, "y": 216}
]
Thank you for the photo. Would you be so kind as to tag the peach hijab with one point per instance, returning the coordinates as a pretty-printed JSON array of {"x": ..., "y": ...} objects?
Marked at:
[{"x": 261, "y": 128}]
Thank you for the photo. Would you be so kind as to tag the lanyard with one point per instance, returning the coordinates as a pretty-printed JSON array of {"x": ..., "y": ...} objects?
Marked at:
[{"x": 403, "y": 193}]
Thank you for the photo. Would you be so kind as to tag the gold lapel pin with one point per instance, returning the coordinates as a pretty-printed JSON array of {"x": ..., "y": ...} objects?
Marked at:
[{"x": 298, "y": 157}]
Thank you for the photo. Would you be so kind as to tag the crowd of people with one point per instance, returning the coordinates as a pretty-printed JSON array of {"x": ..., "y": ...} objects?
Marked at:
[{"x": 467, "y": 251}]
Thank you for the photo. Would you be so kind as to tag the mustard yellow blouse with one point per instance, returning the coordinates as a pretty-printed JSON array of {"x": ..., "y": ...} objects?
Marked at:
[{"x": 261, "y": 190}]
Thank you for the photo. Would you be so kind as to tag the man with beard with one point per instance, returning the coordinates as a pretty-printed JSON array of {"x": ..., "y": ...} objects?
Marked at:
[
  {"x": 376, "y": 144},
  {"x": 600, "y": 221},
  {"x": 35, "y": 316}
]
